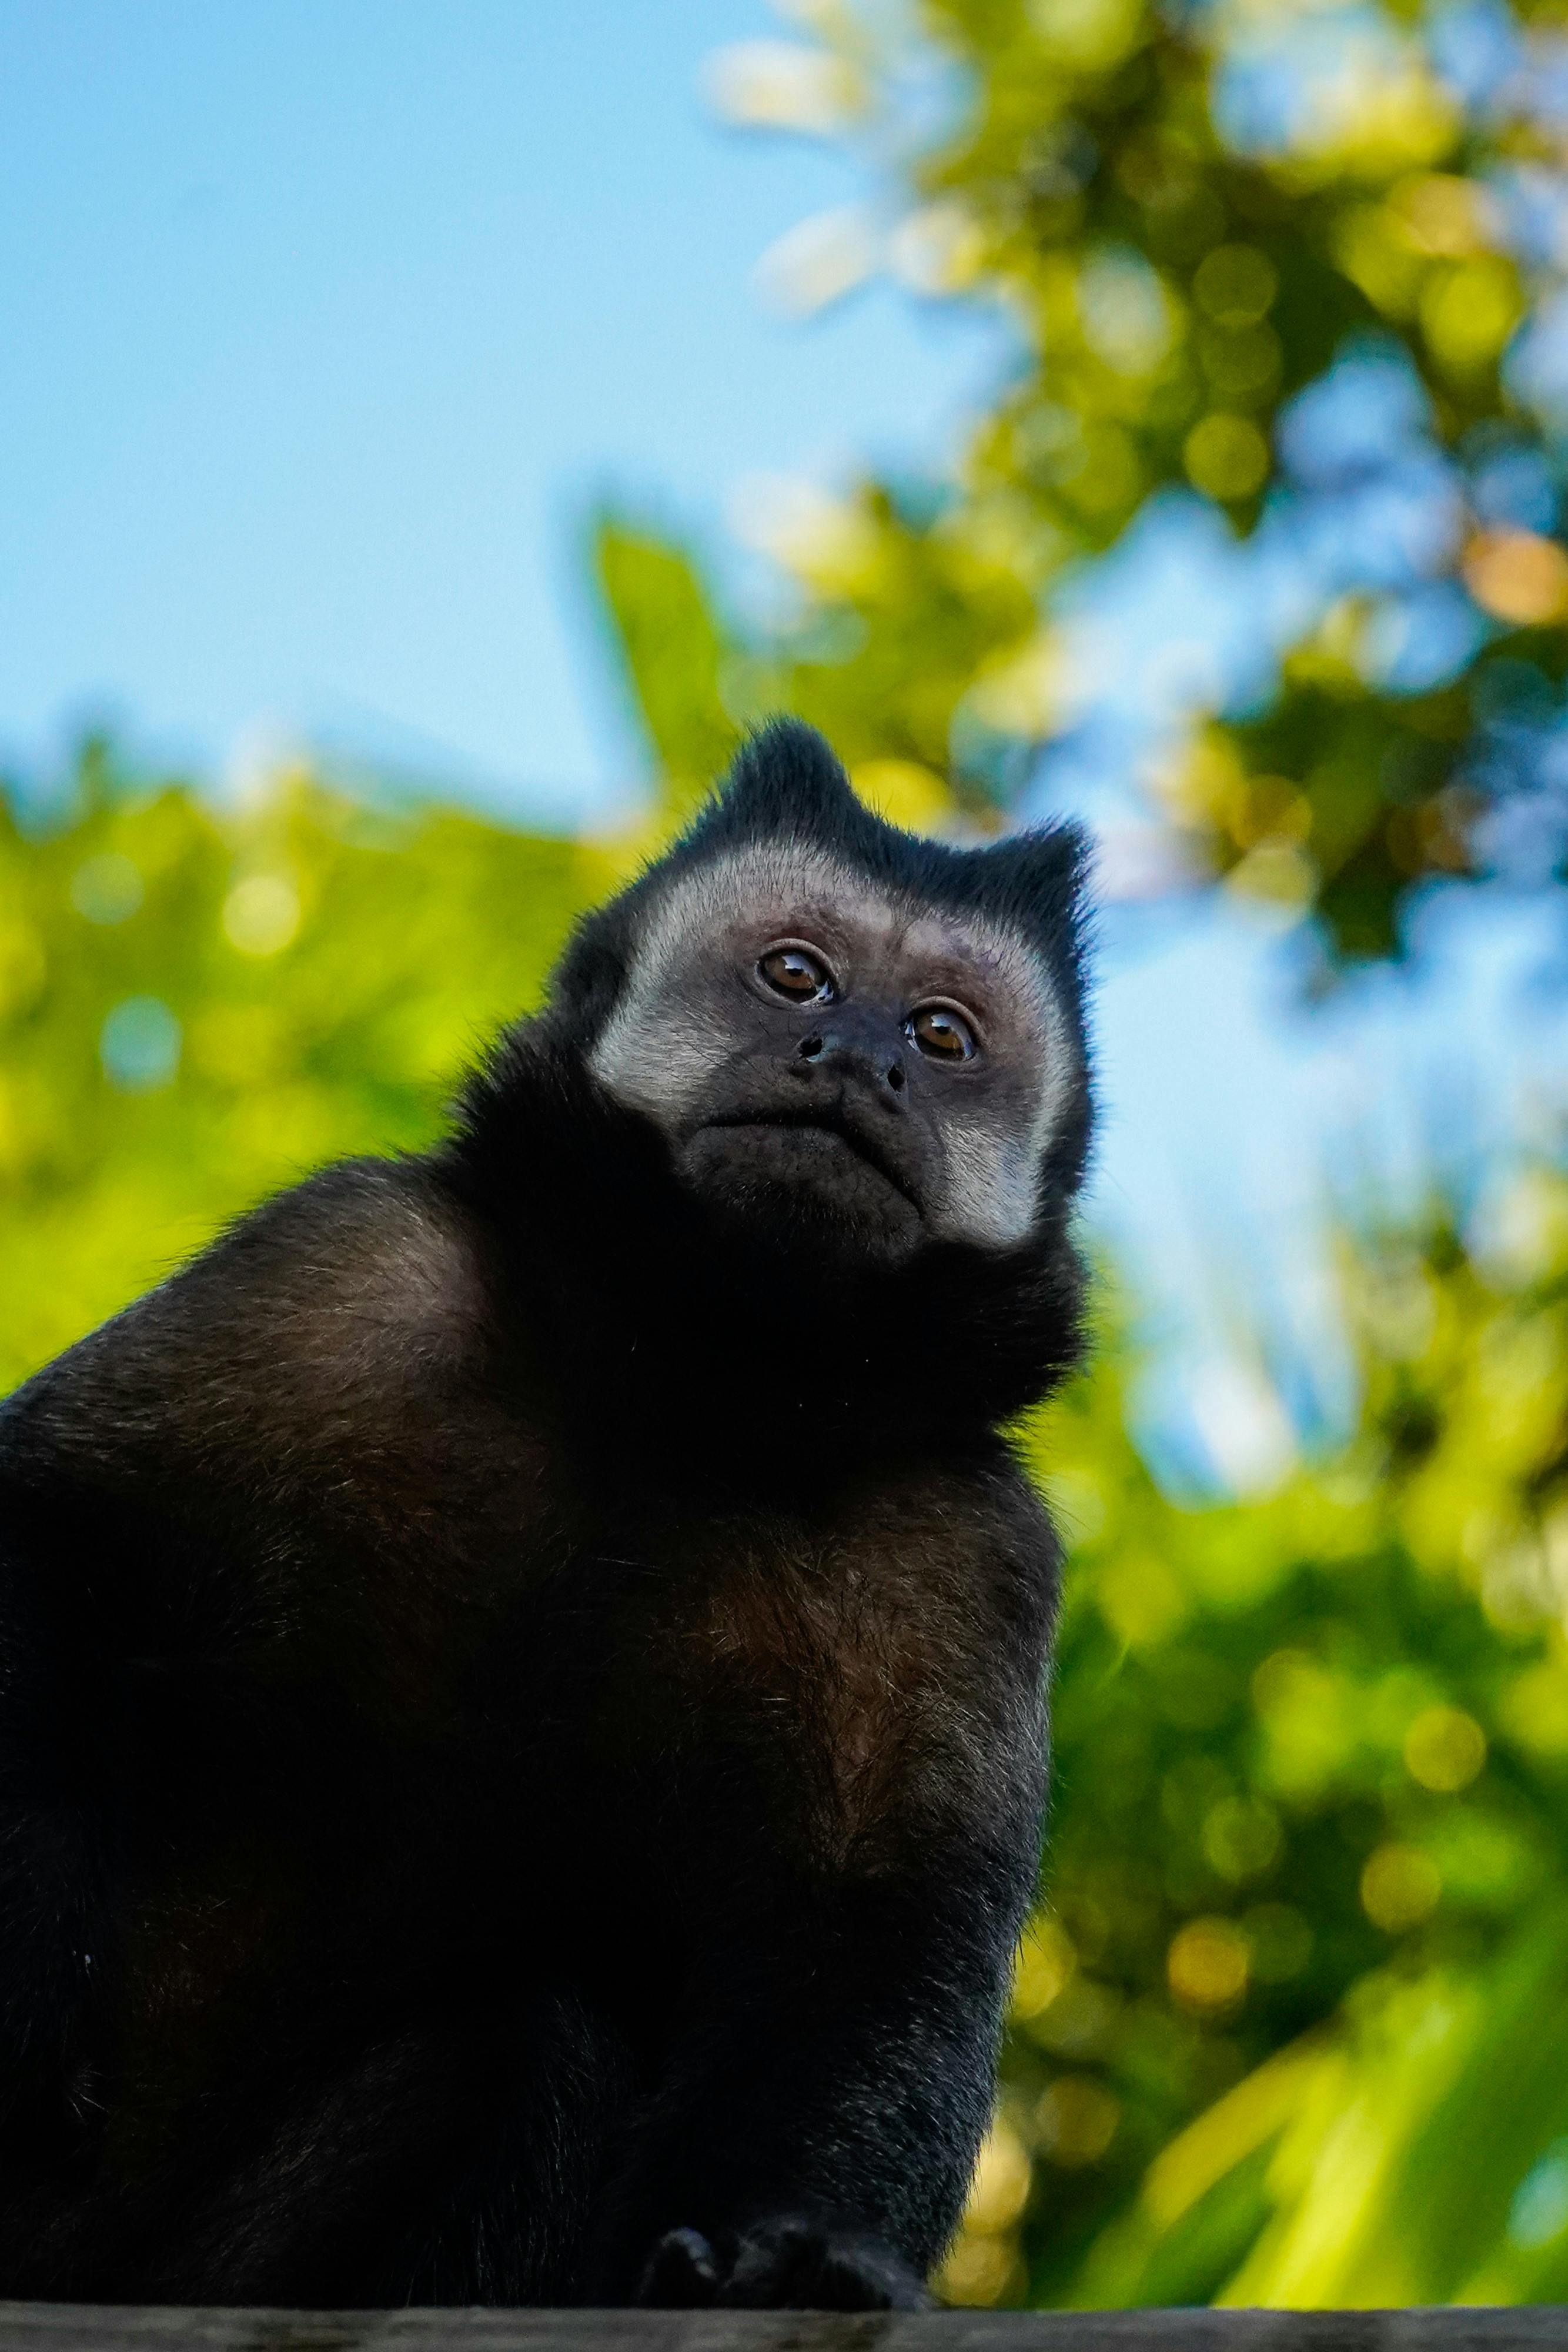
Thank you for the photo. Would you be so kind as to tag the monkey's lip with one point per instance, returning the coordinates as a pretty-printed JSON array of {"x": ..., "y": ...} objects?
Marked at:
[{"x": 831, "y": 1123}]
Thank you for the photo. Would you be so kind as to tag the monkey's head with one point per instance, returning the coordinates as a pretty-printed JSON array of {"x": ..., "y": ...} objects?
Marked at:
[{"x": 855, "y": 1045}]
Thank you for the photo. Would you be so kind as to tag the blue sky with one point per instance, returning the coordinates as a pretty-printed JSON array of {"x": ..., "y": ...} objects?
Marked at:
[{"x": 325, "y": 326}]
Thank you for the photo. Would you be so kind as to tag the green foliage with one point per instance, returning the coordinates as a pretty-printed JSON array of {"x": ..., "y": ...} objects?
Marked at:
[
  {"x": 197, "y": 1006},
  {"x": 672, "y": 650},
  {"x": 1167, "y": 280},
  {"x": 1288, "y": 2028},
  {"x": 921, "y": 626},
  {"x": 1172, "y": 289}
]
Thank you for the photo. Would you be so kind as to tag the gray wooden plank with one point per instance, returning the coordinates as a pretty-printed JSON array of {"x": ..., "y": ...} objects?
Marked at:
[{"x": 81, "y": 2328}]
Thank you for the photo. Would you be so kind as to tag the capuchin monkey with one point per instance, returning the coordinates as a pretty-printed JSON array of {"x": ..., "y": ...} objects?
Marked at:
[{"x": 522, "y": 1731}]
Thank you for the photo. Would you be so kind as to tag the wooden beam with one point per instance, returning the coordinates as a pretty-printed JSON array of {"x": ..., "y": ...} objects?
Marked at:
[{"x": 104, "y": 2327}]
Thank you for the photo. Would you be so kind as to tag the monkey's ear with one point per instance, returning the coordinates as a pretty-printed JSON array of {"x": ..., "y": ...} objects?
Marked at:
[
  {"x": 593, "y": 969},
  {"x": 785, "y": 780},
  {"x": 1042, "y": 856},
  {"x": 1039, "y": 878}
]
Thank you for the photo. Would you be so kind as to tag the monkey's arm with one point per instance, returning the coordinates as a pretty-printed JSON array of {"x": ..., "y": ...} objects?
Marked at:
[
  {"x": 814, "y": 2138},
  {"x": 817, "y": 2141}
]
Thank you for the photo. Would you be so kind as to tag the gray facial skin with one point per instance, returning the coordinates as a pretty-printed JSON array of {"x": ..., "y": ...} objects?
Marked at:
[{"x": 826, "y": 1117}]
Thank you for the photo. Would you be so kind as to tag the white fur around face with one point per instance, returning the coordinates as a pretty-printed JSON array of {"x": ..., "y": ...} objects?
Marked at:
[
  {"x": 990, "y": 1194},
  {"x": 666, "y": 1042},
  {"x": 662, "y": 1072}
]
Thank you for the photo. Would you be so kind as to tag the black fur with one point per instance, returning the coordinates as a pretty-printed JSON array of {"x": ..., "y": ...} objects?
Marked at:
[{"x": 521, "y": 1716}]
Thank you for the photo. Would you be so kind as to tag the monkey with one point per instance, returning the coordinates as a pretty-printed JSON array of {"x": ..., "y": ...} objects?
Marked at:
[{"x": 523, "y": 1666}]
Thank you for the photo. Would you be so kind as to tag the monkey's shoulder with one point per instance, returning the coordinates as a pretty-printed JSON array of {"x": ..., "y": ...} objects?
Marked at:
[
  {"x": 311, "y": 1412},
  {"x": 302, "y": 1446},
  {"x": 357, "y": 1283}
]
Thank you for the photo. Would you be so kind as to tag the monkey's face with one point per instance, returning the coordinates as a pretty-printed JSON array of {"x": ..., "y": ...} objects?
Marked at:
[{"x": 836, "y": 1065}]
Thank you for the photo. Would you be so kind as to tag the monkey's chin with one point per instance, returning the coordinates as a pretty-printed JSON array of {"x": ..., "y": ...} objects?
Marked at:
[{"x": 801, "y": 1190}]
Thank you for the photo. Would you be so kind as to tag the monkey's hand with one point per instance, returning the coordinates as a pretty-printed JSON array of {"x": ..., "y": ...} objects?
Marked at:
[{"x": 781, "y": 2265}]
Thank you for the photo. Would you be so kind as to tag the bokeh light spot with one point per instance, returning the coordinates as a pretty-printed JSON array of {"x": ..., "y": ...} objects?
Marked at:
[
  {"x": 138, "y": 1044},
  {"x": 1535, "y": 1708},
  {"x": 1399, "y": 1887},
  {"x": 1076, "y": 2120},
  {"x": 1044, "y": 1967},
  {"x": 1517, "y": 576},
  {"x": 1441, "y": 214},
  {"x": 1000, "y": 2190},
  {"x": 980, "y": 2271},
  {"x": 106, "y": 889},
  {"x": 1241, "y": 1837},
  {"x": 1208, "y": 1964},
  {"x": 1468, "y": 312},
  {"x": 1226, "y": 456},
  {"x": 1125, "y": 314},
  {"x": 903, "y": 794},
  {"x": 261, "y": 914},
  {"x": 1444, "y": 1748},
  {"x": 1236, "y": 284}
]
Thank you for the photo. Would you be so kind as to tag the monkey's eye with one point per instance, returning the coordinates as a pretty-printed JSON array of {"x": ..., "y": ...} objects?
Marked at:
[
  {"x": 942, "y": 1033},
  {"x": 797, "y": 974}
]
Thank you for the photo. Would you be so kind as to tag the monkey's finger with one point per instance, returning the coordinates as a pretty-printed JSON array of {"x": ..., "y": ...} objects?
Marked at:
[{"x": 682, "y": 2274}]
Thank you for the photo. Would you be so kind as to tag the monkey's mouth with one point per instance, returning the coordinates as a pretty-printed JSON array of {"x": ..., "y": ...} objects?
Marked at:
[{"x": 834, "y": 1129}]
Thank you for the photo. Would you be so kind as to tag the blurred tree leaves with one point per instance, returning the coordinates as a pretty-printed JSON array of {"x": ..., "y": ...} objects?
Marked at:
[
  {"x": 672, "y": 650},
  {"x": 1196, "y": 220},
  {"x": 1289, "y": 2027},
  {"x": 197, "y": 1005},
  {"x": 922, "y": 628}
]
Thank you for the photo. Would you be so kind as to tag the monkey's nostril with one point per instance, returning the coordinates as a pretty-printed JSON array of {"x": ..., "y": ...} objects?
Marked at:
[
  {"x": 895, "y": 1080},
  {"x": 809, "y": 1049}
]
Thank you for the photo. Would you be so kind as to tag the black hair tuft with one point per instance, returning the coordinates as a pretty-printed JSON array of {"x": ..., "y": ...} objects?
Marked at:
[{"x": 786, "y": 784}]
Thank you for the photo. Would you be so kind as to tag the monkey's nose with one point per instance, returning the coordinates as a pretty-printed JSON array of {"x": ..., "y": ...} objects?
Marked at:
[{"x": 874, "y": 1065}]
